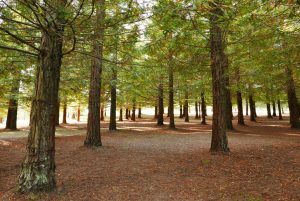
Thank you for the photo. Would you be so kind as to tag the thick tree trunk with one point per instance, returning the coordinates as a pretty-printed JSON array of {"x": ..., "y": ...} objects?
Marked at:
[
  {"x": 38, "y": 168},
  {"x": 203, "y": 109},
  {"x": 140, "y": 113},
  {"x": 93, "y": 136},
  {"x": 121, "y": 115},
  {"x": 129, "y": 113},
  {"x": 186, "y": 107},
  {"x": 252, "y": 108},
  {"x": 12, "y": 113},
  {"x": 160, "y": 119},
  {"x": 219, "y": 142},
  {"x": 65, "y": 113},
  {"x": 240, "y": 108},
  {"x": 292, "y": 99},
  {"x": 279, "y": 110},
  {"x": 269, "y": 110},
  {"x": 196, "y": 110},
  {"x": 274, "y": 109},
  {"x": 133, "y": 112},
  {"x": 78, "y": 113},
  {"x": 113, "y": 101}
]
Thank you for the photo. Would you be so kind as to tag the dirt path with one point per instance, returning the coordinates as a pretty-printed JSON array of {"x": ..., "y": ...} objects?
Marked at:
[{"x": 144, "y": 162}]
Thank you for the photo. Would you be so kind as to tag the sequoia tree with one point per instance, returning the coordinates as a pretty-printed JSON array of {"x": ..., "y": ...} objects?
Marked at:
[{"x": 219, "y": 142}]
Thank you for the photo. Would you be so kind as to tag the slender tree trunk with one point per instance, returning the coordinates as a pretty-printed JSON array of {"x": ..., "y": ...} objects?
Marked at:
[
  {"x": 113, "y": 101},
  {"x": 247, "y": 107},
  {"x": 219, "y": 142},
  {"x": 239, "y": 99},
  {"x": 240, "y": 108},
  {"x": 279, "y": 110},
  {"x": 160, "y": 119},
  {"x": 252, "y": 108},
  {"x": 38, "y": 167},
  {"x": 93, "y": 136},
  {"x": 102, "y": 113},
  {"x": 12, "y": 113},
  {"x": 254, "y": 104},
  {"x": 171, "y": 94},
  {"x": 65, "y": 113},
  {"x": 133, "y": 112},
  {"x": 127, "y": 113},
  {"x": 186, "y": 107},
  {"x": 269, "y": 110},
  {"x": 1, "y": 120},
  {"x": 292, "y": 99},
  {"x": 274, "y": 108},
  {"x": 121, "y": 115},
  {"x": 180, "y": 111},
  {"x": 196, "y": 110},
  {"x": 203, "y": 109},
  {"x": 78, "y": 113},
  {"x": 140, "y": 113}
]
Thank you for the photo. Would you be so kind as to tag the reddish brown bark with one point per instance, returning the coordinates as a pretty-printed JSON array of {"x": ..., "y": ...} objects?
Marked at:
[{"x": 219, "y": 142}]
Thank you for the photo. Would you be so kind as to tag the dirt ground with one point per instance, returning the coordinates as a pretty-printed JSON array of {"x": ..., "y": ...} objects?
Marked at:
[{"x": 144, "y": 162}]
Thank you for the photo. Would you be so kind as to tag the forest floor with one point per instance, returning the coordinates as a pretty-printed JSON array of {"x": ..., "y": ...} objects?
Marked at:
[{"x": 142, "y": 161}]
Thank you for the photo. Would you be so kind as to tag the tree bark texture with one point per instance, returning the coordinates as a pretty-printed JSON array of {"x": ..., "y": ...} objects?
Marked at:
[
  {"x": 93, "y": 137},
  {"x": 219, "y": 142}
]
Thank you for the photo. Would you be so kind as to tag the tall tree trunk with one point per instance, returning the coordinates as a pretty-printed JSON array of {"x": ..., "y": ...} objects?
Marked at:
[
  {"x": 239, "y": 99},
  {"x": 113, "y": 101},
  {"x": 65, "y": 113},
  {"x": 219, "y": 142},
  {"x": 269, "y": 110},
  {"x": 292, "y": 99},
  {"x": 93, "y": 136},
  {"x": 140, "y": 113},
  {"x": 252, "y": 108},
  {"x": 127, "y": 113},
  {"x": 38, "y": 167},
  {"x": 133, "y": 112},
  {"x": 186, "y": 107},
  {"x": 196, "y": 110},
  {"x": 203, "y": 109},
  {"x": 121, "y": 115},
  {"x": 274, "y": 108},
  {"x": 180, "y": 111},
  {"x": 279, "y": 110},
  {"x": 12, "y": 113},
  {"x": 240, "y": 108},
  {"x": 247, "y": 107},
  {"x": 160, "y": 119},
  {"x": 78, "y": 113},
  {"x": 171, "y": 93}
]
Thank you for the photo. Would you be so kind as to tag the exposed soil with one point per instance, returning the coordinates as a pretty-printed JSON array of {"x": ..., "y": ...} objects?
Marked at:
[{"x": 141, "y": 161}]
